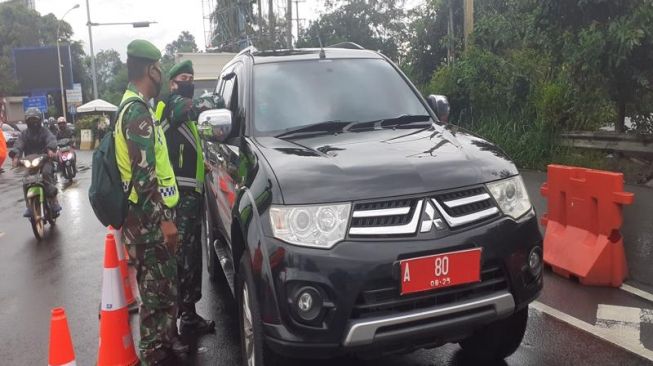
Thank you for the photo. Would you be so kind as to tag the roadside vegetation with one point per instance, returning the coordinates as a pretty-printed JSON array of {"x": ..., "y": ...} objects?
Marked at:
[{"x": 531, "y": 69}]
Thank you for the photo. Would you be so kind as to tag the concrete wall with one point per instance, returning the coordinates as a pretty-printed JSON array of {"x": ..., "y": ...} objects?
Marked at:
[
  {"x": 15, "y": 111},
  {"x": 637, "y": 229}
]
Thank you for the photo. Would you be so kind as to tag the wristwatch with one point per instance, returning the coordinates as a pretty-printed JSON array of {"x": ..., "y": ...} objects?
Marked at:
[{"x": 167, "y": 214}]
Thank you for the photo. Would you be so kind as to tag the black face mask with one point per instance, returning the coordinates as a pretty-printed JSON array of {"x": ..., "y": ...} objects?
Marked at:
[
  {"x": 34, "y": 125},
  {"x": 157, "y": 84},
  {"x": 185, "y": 88}
]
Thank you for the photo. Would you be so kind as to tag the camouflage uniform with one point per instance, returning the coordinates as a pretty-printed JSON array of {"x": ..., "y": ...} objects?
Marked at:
[
  {"x": 141, "y": 232},
  {"x": 180, "y": 111}
]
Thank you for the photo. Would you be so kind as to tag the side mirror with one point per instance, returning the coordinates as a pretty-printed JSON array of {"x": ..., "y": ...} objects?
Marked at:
[
  {"x": 215, "y": 125},
  {"x": 440, "y": 106}
]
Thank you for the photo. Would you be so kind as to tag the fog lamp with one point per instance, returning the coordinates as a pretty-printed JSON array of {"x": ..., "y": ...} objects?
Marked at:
[
  {"x": 535, "y": 261},
  {"x": 308, "y": 303}
]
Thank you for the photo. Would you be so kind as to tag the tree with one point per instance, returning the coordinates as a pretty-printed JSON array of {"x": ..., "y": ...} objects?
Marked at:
[
  {"x": 606, "y": 45},
  {"x": 107, "y": 66},
  {"x": 184, "y": 43},
  {"x": 428, "y": 37},
  {"x": 373, "y": 24}
]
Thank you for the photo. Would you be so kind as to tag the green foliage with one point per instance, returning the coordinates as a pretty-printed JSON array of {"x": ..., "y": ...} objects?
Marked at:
[{"x": 376, "y": 25}]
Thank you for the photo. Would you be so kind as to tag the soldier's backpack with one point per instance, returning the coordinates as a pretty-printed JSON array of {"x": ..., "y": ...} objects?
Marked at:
[{"x": 106, "y": 194}]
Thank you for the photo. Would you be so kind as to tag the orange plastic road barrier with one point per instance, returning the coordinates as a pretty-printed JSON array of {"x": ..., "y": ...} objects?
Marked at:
[
  {"x": 116, "y": 343},
  {"x": 124, "y": 271},
  {"x": 61, "y": 346},
  {"x": 583, "y": 222}
]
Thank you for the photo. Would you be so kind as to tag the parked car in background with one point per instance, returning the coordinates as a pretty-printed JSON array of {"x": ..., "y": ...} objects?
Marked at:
[{"x": 11, "y": 134}]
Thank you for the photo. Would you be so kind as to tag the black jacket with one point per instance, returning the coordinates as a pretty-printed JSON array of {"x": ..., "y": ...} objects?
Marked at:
[{"x": 34, "y": 142}]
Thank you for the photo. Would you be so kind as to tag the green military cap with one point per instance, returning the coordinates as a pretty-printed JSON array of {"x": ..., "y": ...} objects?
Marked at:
[
  {"x": 184, "y": 67},
  {"x": 143, "y": 49}
]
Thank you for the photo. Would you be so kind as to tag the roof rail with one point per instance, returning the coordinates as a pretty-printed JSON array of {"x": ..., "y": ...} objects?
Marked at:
[
  {"x": 250, "y": 49},
  {"x": 350, "y": 45}
]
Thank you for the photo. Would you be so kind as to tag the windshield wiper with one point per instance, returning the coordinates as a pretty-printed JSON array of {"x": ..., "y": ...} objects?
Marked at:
[
  {"x": 326, "y": 126},
  {"x": 404, "y": 119}
]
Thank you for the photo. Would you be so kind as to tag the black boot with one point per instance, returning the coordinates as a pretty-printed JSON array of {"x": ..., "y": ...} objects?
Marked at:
[{"x": 191, "y": 322}]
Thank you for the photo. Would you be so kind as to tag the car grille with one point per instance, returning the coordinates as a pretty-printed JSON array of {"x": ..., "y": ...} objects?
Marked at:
[
  {"x": 386, "y": 300},
  {"x": 402, "y": 217}
]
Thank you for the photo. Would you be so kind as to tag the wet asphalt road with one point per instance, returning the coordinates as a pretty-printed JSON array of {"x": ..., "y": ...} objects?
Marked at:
[{"x": 66, "y": 269}]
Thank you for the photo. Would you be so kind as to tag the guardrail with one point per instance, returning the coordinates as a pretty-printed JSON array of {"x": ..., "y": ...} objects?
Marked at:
[{"x": 630, "y": 143}]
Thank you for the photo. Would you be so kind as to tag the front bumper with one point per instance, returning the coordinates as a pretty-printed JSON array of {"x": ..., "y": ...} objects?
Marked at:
[{"x": 352, "y": 270}]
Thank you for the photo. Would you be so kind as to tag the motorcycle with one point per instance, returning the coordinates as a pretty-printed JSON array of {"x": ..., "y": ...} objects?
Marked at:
[
  {"x": 34, "y": 190},
  {"x": 66, "y": 159}
]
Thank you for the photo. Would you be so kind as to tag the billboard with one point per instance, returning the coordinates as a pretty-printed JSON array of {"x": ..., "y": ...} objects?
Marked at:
[{"x": 36, "y": 68}]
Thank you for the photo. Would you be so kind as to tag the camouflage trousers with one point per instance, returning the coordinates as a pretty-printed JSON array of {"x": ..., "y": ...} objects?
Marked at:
[
  {"x": 189, "y": 250},
  {"x": 156, "y": 274}
]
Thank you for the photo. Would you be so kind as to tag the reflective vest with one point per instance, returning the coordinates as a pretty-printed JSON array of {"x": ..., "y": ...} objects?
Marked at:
[
  {"x": 187, "y": 176},
  {"x": 164, "y": 173}
]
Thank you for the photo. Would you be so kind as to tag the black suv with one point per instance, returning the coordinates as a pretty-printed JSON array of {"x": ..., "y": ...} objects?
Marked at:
[{"x": 347, "y": 218}]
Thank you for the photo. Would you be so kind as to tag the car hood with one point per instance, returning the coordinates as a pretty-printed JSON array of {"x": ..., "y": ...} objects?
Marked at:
[{"x": 382, "y": 163}]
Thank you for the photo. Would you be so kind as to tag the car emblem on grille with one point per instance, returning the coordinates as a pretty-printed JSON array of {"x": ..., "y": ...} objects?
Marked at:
[{"x": 430, "y": 218}]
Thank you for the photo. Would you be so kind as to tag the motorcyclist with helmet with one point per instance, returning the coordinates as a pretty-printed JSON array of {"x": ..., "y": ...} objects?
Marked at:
[
  {"x": 37, "y": 139},
  {"x": 64, "y": 132}
]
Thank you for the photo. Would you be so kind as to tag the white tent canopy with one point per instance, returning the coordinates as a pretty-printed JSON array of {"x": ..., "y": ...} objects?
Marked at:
[{"x": 97, "y": 105}]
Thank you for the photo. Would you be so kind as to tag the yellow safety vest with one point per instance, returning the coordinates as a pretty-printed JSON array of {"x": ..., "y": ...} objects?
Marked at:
[
  {"x": 164, "y": 173},
  {"x": 198, "y": 182}
]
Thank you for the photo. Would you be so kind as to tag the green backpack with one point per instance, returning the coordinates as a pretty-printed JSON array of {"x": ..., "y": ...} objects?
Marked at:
[{"x": 106, "y": 194}]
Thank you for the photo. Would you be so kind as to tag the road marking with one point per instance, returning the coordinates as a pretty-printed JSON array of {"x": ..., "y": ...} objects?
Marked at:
[
  {"x": 620, "y": 320},
  {"x": 601, "y": 333},
  {"x": 637, "y": 292}
]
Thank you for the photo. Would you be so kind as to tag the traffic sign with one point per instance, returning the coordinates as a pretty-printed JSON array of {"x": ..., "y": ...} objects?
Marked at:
[{"x": 40, "y": 102}]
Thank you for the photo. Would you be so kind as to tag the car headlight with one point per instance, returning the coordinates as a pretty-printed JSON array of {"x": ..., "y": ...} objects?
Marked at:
[
  {"x": 311, "y": 226},
  {"x": 511, "y": 195},
  {"x": 27, "y": 163}
]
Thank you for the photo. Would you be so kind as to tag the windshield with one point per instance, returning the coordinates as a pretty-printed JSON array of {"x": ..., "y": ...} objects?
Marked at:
[{"x": 288, "y": 95}]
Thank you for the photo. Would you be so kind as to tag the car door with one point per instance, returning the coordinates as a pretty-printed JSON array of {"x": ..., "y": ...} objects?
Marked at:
[{"x": 223, "y": 157}]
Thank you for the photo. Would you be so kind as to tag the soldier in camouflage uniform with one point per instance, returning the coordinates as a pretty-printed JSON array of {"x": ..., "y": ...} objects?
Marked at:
[
  {"x": 149, "y": 231},
  {"x": 178, "y": 115}
]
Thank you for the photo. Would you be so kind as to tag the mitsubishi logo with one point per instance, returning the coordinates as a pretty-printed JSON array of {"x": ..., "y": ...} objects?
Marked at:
[{"x": 430, "y": 218}]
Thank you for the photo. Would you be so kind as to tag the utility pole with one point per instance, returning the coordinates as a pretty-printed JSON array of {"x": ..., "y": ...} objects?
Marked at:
[
  {"x": 260, "y": 18},
  {"x": 469, "y": 19},
  {"x": 289, "y": 23},
  {"x": 450, "y": 41},
  {"x": 271, "y": 20},
  {"x": 90, "y": 39},
  {"x": 298, "y": 19}
]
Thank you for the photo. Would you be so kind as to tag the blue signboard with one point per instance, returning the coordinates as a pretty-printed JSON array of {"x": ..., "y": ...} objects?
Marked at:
[{"x": 40, "y": 102}]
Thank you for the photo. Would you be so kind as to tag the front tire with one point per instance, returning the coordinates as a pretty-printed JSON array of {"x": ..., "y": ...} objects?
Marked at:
[
  {"x": 497, "y": 340},
  {"x": 38, "y": 224},
  {"x": 254, "y": 352},
  {"x": 212, "y": 264}
]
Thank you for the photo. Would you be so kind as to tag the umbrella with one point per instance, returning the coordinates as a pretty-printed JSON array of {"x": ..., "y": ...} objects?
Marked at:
[{"x": 97, "y": 105}]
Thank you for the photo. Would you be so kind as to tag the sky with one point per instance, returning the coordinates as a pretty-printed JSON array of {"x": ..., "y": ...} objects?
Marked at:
[{"x": 172, "y": 17}]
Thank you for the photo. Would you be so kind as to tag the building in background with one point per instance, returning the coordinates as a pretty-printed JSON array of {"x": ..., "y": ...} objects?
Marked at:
[{"x": 207, "y": 67}]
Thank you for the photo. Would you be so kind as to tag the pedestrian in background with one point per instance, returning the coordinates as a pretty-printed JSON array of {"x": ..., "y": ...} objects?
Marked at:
[
  {"x": 149, "y": 231},
  {"x": 178, "y": 116},
  {"x": 3, "y": 147}
]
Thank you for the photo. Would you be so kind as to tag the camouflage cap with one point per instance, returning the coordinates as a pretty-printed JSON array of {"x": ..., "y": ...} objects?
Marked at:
[
  {"x": 33, "y": 113},
  {"x": 143, "y": 49},
  {"x": 184, "y": 67}
]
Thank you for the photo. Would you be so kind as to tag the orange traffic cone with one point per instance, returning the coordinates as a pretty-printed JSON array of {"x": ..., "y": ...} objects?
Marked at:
[
  {"x": 61, "y": 346},
  {"x": 124, "y": 272},
  {"x": 116, "y": 344}
]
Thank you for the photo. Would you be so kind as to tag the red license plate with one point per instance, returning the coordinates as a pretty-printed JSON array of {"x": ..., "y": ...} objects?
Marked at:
[{"x": 441, "y": 270}]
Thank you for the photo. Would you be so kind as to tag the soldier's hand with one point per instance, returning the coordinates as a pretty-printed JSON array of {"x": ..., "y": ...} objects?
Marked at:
[
  {"x": 14, "y": 162},
  {"x": 169, "y": 230}
]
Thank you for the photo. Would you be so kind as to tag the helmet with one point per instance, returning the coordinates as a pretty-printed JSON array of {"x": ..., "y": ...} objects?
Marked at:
[
  {"x": 61, "y": 120},
  {"x": 32, "y": 114}
]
